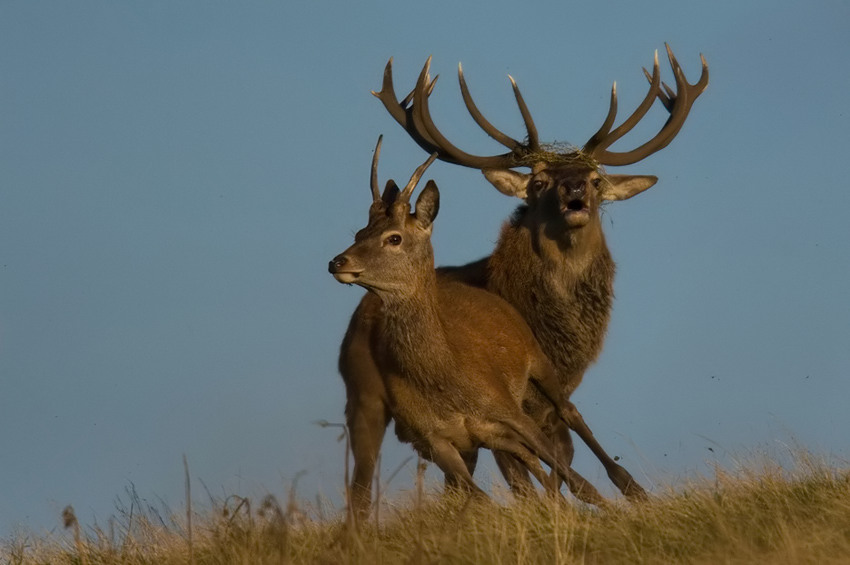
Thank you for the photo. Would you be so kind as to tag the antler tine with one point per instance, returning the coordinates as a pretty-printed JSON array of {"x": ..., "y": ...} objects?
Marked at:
[
  {"x": 690, "y": 94},
  {"x": 491, "y": 130},
  {"x": 667, "y": 98},
  {"x": 388, "y": 98},
  {"x": 678, "y": 103},
  {"x": 533, "y": 142},
  {"x": 600, "y": 134},
  {"x": 432, "y": 82},
  {"x": 400, "y": 111},
  {"x": 607, "y": 137},
  {"x": 414, "y": 179},
  {"x": 376, "y": 192},
  {"x": 694, "y": 90},
  {"x": 447, "y": 151}
]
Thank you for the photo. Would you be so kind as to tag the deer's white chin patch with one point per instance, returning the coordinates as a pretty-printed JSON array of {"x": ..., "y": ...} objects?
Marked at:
[
  {"x": 577, "y": 218},
  {"x": 347, "y": 278}
]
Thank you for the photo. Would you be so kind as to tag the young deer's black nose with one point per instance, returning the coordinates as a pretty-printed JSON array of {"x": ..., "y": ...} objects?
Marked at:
[{"x": 337, "y": 263}]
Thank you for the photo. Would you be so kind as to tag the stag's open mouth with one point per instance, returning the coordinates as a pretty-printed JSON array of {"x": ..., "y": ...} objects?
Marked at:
[
  {"x": 576, "y": 205},
  {"x": 576, "y": 212}
]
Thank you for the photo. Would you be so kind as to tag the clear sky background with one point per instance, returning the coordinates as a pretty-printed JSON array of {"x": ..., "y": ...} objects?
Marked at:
[{"x": 175, "y": 176}]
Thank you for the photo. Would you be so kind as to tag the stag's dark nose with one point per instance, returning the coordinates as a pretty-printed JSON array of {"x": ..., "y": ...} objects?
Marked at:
[
  {"x": 573, "y": 190},
  {"x": 337, "y": 263}
]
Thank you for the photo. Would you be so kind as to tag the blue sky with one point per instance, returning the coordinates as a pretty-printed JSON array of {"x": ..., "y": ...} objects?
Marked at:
[{"x": 174, "y": 178}]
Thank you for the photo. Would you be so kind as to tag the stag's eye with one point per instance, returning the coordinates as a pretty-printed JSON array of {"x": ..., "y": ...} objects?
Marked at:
[
  {"x": 537, "y": 185},
  {"x": 597, "y": 182},
  {"x": 394, "y": 239}
]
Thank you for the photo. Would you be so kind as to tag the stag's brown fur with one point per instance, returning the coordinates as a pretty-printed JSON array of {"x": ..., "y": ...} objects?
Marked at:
[{"x": 552, "y": 264}]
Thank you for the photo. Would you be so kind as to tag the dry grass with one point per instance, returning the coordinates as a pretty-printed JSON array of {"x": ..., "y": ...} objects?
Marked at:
[{"x": 759, "y": 514}]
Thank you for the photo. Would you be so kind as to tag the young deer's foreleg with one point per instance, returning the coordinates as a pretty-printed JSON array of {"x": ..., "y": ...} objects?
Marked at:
[
  {"x": 367, "y": 420},
  {"x": 367, "y": 412}
]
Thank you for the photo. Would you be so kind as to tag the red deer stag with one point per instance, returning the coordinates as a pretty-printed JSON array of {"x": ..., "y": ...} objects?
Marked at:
[
  {"x": 551, "y": 262},
  {"x": 455, "y": 360}
]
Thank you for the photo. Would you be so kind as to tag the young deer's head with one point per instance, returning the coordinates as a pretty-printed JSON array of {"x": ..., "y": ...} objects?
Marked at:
[
  {"x": 563, "y": 189},
  {"x": 393, "y": 253}
]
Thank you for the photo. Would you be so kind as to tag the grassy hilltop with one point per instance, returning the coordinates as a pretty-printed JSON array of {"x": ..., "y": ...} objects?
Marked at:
[{"x": 762, "y": 514}]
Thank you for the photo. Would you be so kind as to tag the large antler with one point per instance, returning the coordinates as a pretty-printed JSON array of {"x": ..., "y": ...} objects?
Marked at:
[
  {"x": 678, "y": 103},
  {"x": 414, "y": 116}
]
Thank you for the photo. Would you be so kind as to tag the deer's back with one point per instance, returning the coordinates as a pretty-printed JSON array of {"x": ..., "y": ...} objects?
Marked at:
[{"x": 491, "y": 339}]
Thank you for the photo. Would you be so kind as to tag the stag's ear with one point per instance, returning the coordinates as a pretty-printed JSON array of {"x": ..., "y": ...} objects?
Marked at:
[
  {"x": 508, "y": 182},
  {"x": 621, "y": 187},
  {"x": 427, "y": 205}
]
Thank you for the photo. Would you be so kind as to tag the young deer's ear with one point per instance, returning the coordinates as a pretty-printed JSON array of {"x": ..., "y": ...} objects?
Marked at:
[
  {"x": 508, "y": 182},
  {"x": 427, "y": 205},
  {"x": 621, "y": 187},
  {"x": 391, "y": 192}
]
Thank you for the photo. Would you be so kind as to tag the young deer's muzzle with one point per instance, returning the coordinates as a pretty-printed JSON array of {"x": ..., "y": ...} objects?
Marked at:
[{"x": 342, "y": 269}]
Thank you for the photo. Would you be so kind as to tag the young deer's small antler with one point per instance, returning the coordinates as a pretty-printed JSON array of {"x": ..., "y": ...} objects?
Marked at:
[{"x": 381, "y": 202}]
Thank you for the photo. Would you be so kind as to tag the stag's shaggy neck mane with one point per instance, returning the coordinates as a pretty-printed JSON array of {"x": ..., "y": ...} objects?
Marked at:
[
  {"x": 560, "y": 251},
  {"x": 571, "y": 284}
]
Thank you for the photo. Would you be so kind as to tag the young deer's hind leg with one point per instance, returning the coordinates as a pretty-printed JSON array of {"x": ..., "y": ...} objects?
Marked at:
[
  {"x": 515, "y": 473},
  {"x": 470, "y": 459},
  {"x": 449, "y": 460},
  {"x": 535, "y": 440},
  {"x": 521, "y": 460}
]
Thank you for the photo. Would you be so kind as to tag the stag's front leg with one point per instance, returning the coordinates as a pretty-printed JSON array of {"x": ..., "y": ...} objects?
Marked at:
[
  {"x": 618, "y": 475},
  {"x": 559, "y": 432}
]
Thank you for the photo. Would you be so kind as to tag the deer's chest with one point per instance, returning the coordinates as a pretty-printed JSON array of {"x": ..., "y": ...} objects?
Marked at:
[{"x": 569, "y": 319}]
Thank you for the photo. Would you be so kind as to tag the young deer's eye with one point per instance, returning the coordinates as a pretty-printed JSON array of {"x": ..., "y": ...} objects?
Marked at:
[
  {"x": 537, "y": 185},
  {"x": 597, "y": 182},
  {"x": 394, "y": 239}
]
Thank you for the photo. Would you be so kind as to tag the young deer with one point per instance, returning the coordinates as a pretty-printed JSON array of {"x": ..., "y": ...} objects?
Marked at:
[
  {"x": 551, "y": 262},
  {"x": 455, "y": 360}
]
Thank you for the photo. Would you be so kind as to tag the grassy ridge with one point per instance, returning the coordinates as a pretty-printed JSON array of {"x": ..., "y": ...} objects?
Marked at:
[{"x": 756, "y": 515}]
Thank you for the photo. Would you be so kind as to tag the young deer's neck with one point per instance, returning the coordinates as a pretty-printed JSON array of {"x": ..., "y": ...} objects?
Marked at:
[{"x": 414, "y": 332}]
